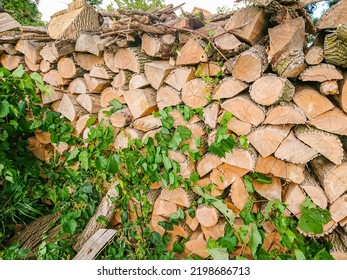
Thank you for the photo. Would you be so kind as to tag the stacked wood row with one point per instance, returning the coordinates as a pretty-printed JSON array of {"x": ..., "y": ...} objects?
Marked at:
[{"x": 287, "y": 98}]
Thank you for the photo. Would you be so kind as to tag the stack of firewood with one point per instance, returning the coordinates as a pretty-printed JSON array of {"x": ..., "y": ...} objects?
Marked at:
[{"x": 287, "y": 97}]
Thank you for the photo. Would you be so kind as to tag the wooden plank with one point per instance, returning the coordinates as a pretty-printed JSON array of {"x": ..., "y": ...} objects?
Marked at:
[
  {"x": 94, "y": 244},
  {"x": 7, "y": 22}
]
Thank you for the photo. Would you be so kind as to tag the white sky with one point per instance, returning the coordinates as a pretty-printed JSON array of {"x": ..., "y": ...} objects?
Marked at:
[{"x": 49, "y": 7}]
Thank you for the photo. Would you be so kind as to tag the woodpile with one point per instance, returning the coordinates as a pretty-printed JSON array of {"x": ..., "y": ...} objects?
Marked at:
[{"x": 287, "y": 98}]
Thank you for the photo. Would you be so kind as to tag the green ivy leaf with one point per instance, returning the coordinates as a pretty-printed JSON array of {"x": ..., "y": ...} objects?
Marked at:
[
  {"x": 155, "y": 238},
  {"x": 312, "y": 220},
  {"x": 184, "y": 132},
  {"x": 261, "y": 178},
  {"x": 167, "y": 163},
  {"x": 194, "y": 177},
  {"x": 255, "y": 239},
  {"x": 84, "y": 159},
  {"x": 35, "y": 124},
  {"x": 4, "y": 108},
  {"x": 90, "y": 121},
  {"x": 191, "y": 212},
  {"x": 116, "y": 104},
  {"x": 226, "y": 118},
  {"x": 19, "y": 72},
  {"x": 219, "y": 253},
  {"x": 100, "y": 163},
  {"x": 178, "y": 247},
  {"x": 299, "y": 255},
  {"x": 248, "y": 184},
  {"x": 217, "y": 150},
  {"x": 36, "y": 77},
  {"x": 73, "y": 154},
  {"x": 166, "y": 225},
  {"x": 229, "y": 243},
  {"x": 243, "y": 142},
  {"x": 69, "y": 226}
]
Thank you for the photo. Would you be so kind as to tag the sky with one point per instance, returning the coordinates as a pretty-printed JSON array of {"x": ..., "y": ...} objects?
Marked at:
[{"x": 49, "y": 7}]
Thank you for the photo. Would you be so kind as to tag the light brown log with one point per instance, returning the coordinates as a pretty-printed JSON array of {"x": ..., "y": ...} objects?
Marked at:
[
  {"x": 333, "y": 178},
  {"x": 54, "y": 78},
  {"x": 227, "y": 42},
  {"x": 43, "y": 137},
  {"x": 311, "y": 102},
  {"x": 138, "y": 82},
  {"x": 335, "y": 16},
  {"x": 164, "y": 208},
  {"x": 30, "y": 49},
  {"x": 239, "y": 127},
  {"x": 10, "y": 49},
  {"x": 266, "y": 139},
  {"x": 335, "y": 47},
  {"x": 191, "y": 53},
  {"x": 270, "y": 191},
  {"x": 154, "y": 226},
  {"x": 285, "y": 113},
  {"x": 178, "y": 196},
  {"x": 206, "y": 215},
  {"x": 295, "y": 151},
  {"x": 179, "y": 77},
  {"x": 329, "y": 87},
  {"x": 110, "y": 62},
  {"x": 168, "y": 96},
  {"x": 193, "y": 223},
  {"x": 141, "y": 102},
  {"x": 326, "y": 144},
  {"x": 11, "y": 62},
  {"x": 229, "y": 87},
  {"x": 87, "y": 61},
  {"x": 39, "y": 150},
  {"x": 186, "y": 166},
  {"x": 101, "y": 72},
  {"x": 121, "y": 80},
  {"x": 31, "y": 66},
  {"x": 88, "y": 43},
  {"x": 67, "y": 68},
  {"x": 156, "y": 72},
  {"x": 249, "y": 65},
  {"x": 241, "y": 158},
  {"x": 69, "y": 108},
  {"x": 293, "y": 197},
  {"x": 109, "y": 94},
  {"x": 131, "y": 59},
  {"x": 314, "y": 55},
  {"x": 195, "y": 93},
  {"x": 47, "y": 54},
  {"x": 7, "y": 22},
  {"x": 280, "y": 168},
  {"x": 333, "y": 121},
  {"x": 158, "y": 46},
  {"x": 321, "y": 73},
  {"x": 271, "y": 89},
  {"x": 78, "y": 86},
  {"x": 95, "y": 85},
  {"x": 314, "y": 190},
  {"x": 62, "y": 48},
  {"x": 53, "y": 95},
  {"x": 147, "y": 123},
  {"x": 179, "y": 120},
  {"x": 226, "y": 174},
  {"x": 81, "y": 123},
  {"x": 209, "y": 69},
  {"x": 197, "y": 246},
  {"x": 249, "y": 24},
  {"x": 238, "y": 194},
  {"x": 121, "y": 118},
  {"x": 207, "y": 163},
  {"x": 244, "y": 109},
  {"x": 342, "y": 97},
  {"x": 214, "y": 232},
  {"x": 338, "y": 209},
  {"x": 210, "y": 115},
  {"x": 45, "y": 66},
  {"x": 90, "y": 102}
]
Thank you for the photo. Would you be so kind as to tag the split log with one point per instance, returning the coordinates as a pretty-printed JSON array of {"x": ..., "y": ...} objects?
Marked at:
[
  {"x": 266, "y": 139},
  {"x": 314, "y": 55},
  {"x": 241, "y": 158},
  {"x": 158, "y": 46},
  {"x": 11, "y": 62},
  {"x": 197, "y": 246},
  {"x": 69, "y": 107},
  {"x": 138, "y": 82},
  {"x": 186, "y": 166},
  {"x": 325, "y": 143},
  {"x": 178, "y": 196},
  {"x": 101, "y": 72},
  {"x": 87, "y": 61},
  {"x": 47, "y": 54},
  {"x": 210, "y": 115},
  {"x": 168, "y": 96},
  {"x": 156, "y": 72},
  {"x": 342, "y": 97},
  {"x": 39, "y": 150},
  {"x": 239, "y": 127},
  {"x": 147, "y": 123},
  {"x": 285, "y": 113},
  {"x": 209, "y": 69},
  {"x": 335, "y": 16},
  {"x": 45, "y": 66},
  {"x": 207, "y": 163},
  {"x": 141, "y": 102},
  {"x": 67, "y": 68},
  {"x": 179, "y": 120},
  {"x": 81, "y": 123},
  {"x": 121, "y": 80},
  {"x": 338, "y": 209},
  {"x": 131, "y": 59},
  {"x": 195, "y": 93},
  {"x": 314, "y": 190},
  {"x": 179, "y": 77},
  {"x": 193, "y": 223},
  {"x": 333, "y": 121},
  {"x": 191, "y": 53},
  {"x": 54, "y": 78},
  {"x": 30, "y": 49},
  {"x": 329, "y": 87},
  {"x": 333, "y": 178},
  {"x": 109, "y": 94},
  {"x": 87, "y": 42},
  {"x": 207, "y": 216},
  {"x": 238, "y": 194},
  {"x": 62, "y": 48},
  {"x": 248, "y": 24},
  {"x": 164, "y": 208},
  {"x": 245, "y": 109},
  {"x": 78, "y": 86},
  {"x": 229, "y": 87},
  {"x": 270, "y": 191},
  {"x": 53, "y": 95},
  {"x": 311, "y": 102},
  {"x": 7, "y": 22},
  {"x": 227, "y": 42},
  {"x": 335, "y": 47},
  {"x": 293, "y": 197},
  {"x": 271, "y": 89},
  {"x": 31, "y": 66},
  {"x": 122, "y": 139},
  {"x": 286, "y": 48},
  {"x": 10, "y": 49},
  {"x": 90, "y": 102},
  {"x": 321, "y": 73},
  {"x": 224, "y": 175},
  {"x": 214, "y": 232},
  {"x": 110, "y": 62},
  {"x": 121, "y": 118},
  {"x": 95, "y": 85}
]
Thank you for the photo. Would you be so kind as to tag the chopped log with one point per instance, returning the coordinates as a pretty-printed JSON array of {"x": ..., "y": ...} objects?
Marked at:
[
  {"x": 214, "y": 232},
  {"x": 168, "y": 96},
  {"x": 224, "y": 175},
  {"x": 325, "y": 143},
  {"x": 47, "y": 54},
  {"x": 131, "y": 59},
  {"x": 245, "y": 109},
  {"x": 241, "y": 158},
  {"x": 311, "y": 102},
  {"x": 333, "y": 121},
  {"x": 178, "y": 196},
  {"x": 87, "y": 42},
  {"x": 45, "y": 66},
  {"x": 121, "y": 118},
  {"x": 123, "y": 138},
  {"x": 266, "y": 139},
  {"x": 342, "y": 97},
  {"x": 209, "y": 69},
  {"x": 286, "y": 48},
  {"x": 39, "y": 150},
  {"x": 78, "y": 86},
  {"x": 147, "y": 123},
  {"x": 161, "y": 46},
  {"x": 280, "y": 168},
  {"x": 67, "y": 68},
  {"x": 52, "y": 96},
  {"x": 314, "y": 190},
  {"x": 110, "y": 62},
  {"x": 321, "y": 73},
  {"x": 227, "y": 42},
  {"x": 179, "y": 77},
  {"x": 10, "y": 49},
  {"x": 109, "y": 94},
  {"x": 271, "y": 89},
  {"x": 335, "y": 47},
  {"x": 138, "y": 82},
  {"x": 81, "y": 123},
  {"x": 229, "y": 87},
  {"x": 329, "y": 87},
  {"x": 191, "y": 53},
  {"x": 335, "y": 16},
  {"x": 179, "y": 120},
  {"x": 31, "y": 66},
  {"x": 43, "y": 137},
  {"x": 314, "y": 55},
  {"x": 186, "y": 166},
  {"x": 207, "y": 163},
  {"x": 239, "y": 127},
  {"x": 270, "y": 191},
  {"x": 62, "y": 48},
  {"x": 101, "y": 72},
  {"x": 295, "y": 151},
  {"x": 164, "y": 208},
  {"x": 210, "y": 115},
  {"x": 95, "y": 85},
  {"x": 333, "y": 178},
  {"x": 156, "y": 72},
  {"x": 249, "y": 65},
  {"x": 7, "y": 22},
  {"x": 293, "y": 197},
  {"x": 90, "y": 102},
  {"x": 238, "y": 194},
  {"x": 141, "y": 102},
  {"x": 87, "y": 61},
  {"x": 248, "y": 24},
  {"x": 207, "y": 216},
  {"x": 193, "y": 223},
  {"x": 121, "y": 80},
  {"x": 285, "y": 113},
  {"x": 195, "y": 93},
  {"x": 54, "y": 78},
  {"x": 30, "y": 49},
  {"x": 11, "y": 62},
  {"x": 338, "y": 209},
  {"x": 197, "y": 246},
  {"x": 69, "y": 107},
  {"x": 69, "y": 24}
]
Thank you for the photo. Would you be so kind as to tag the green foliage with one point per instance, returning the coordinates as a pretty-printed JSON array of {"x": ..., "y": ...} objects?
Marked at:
[
  {"x": 25, "y": 11},
  {"x": 143, "y": 5}
]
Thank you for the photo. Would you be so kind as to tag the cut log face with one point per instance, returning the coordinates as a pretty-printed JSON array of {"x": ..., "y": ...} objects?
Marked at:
[
  {"x": 342, "y": 97},
  {"x": 178, "y": 196},
  {"x": 210, "y": 114},
  {"x": 227, "y": 42},
  {"x": 338, "y": 209},
  {"x": 191, "y": 53},
  {"x": 88, "y": 43},
  {"x": 81, "y": 123},
  {"x": 130, "y": 59},
  {"x": 164, "y": 208},
  {"x": 267, "y": 139},
  {"x": 67, "y": 68},
  {"x": 156, "y": 72},
  {"x": 335, "y": 16},
  {"x": 195, "y": 93},
  {"x": 78, "y": 86},
  {"x": 214, "y": 232},
  {"x": 63, "y": 48},
  {"x": 207, "y": 216},
  {"x": 101, "y": 72},
  {"x": 249, "y": 24},
  {"x": 45, "y": 66},
  {"x": 270, "y": 191},
  {"x": 333, "y": 121},
  {"x": 197, "y": 246},
  {"x": 207, "y": 163},
  {"x": 329, "y": 87},
  {"x": 87, "y": 61},
  {"x": 314, "y": 55},
  {"x": 239, "y": 127},
  {"x": 285, "y": 113},
  {"x": 54, "y": 78},
  {"x": 147, "y": 123},
  {"x": 90, "y": 102},
  {"x": 158, "y": 46},
  {"x": 69, "y": 108},
  {"x": 228, "y": 88},
  {"x": 321, "y": 73},
  {"x": 121, "y": 118},
  {"x": 241, "y": 158},
  {"x": 313, "y": 189},
  {"x": 110, "y": 62},
  {"x": 325, "y": 143},
  {"x": 238, "y": 194},
  {"x": 52, "y": 96},
  {"x": 141, "y": 102},
  {"x": 138, "y": 82},
  {"x": 30, "y": 49},
  {"x": 168, "y": 96},
  {"x": 95, "y": 85},
  {"x": 295, "y": 151},
  {"x": 311, "y": 102},
  {"x": 179, "y": 120},
  {"x": 109, "y": 94},
  {"x": 10, "y": 62},
  {"x": 209, "y": 69},
  {"x": 179, "y": 77},
  {"x": 293, "y": 197},
  {"x": 245, "y": 109}
]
